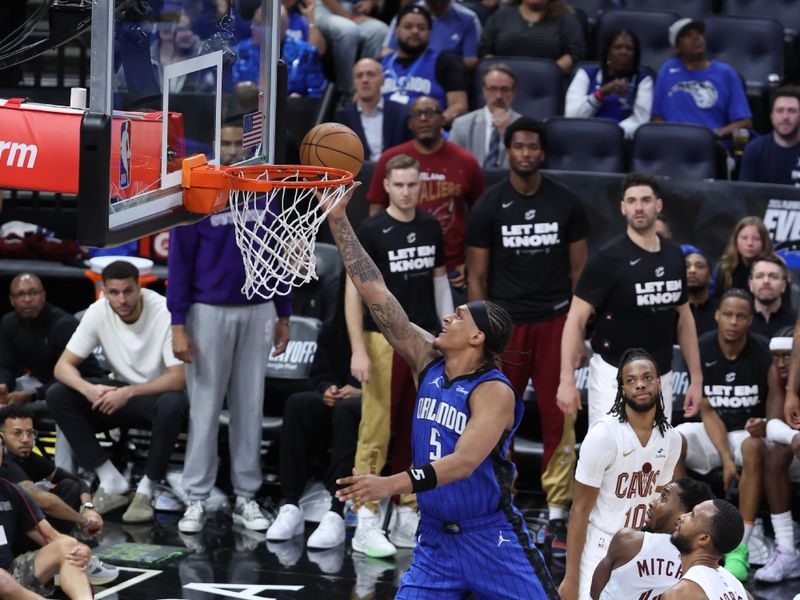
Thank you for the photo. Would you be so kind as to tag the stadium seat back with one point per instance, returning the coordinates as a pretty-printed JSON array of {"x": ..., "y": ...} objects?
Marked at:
[
  {"x": 651, "y": 26},
  {"x": 584, "y": 145},
  {"x": 675, "y": 150},
  {"x": 752, "y": 46}
]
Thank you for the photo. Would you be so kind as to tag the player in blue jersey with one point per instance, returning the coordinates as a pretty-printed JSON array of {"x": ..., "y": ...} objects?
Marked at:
[{"x": 471, "y": 538}]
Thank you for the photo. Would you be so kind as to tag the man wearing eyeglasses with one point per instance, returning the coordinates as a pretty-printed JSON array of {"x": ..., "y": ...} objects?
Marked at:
[
  {"x": 32, "y": 337},
  {"x": 768, "y": 280}
]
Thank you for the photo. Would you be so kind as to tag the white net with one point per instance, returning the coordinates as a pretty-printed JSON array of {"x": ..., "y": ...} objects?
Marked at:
[{"x": 276, "y": 233}]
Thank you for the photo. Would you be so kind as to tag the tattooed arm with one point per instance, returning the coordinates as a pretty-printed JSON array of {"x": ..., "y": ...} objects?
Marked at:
[{"x": 412, "y": 342}]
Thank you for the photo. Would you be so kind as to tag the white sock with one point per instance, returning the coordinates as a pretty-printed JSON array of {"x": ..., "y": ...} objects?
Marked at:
[
  {"x": 556, "y": 512},
  {"x": 111, "y": 480},
  {"x": 748, "y": 529},
  {"x": 784, "y": 531},
  {"x": 145, "y": 487}
]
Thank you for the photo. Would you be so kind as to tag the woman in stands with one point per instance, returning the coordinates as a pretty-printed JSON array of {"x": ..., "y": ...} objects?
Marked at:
[
  {"x": 536, "y": 29},
  {"x": 749, "y": 240},
  {"x": 618, "y": 88}
]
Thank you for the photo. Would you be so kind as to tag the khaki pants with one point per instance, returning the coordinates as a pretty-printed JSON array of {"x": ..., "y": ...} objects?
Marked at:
[{"x": 375, "y": 427}]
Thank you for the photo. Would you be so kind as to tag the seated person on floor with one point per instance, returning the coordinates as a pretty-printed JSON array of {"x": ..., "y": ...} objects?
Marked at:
[{"x": 132, "y": 325}]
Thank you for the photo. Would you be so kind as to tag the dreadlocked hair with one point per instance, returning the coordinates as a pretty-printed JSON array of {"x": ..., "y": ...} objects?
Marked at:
[
  {"x": 618, "y": 409},
  {"x": 500, "y": 321}
]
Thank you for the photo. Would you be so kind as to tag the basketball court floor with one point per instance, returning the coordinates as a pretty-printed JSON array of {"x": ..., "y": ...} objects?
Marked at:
[{"x": 228, "y": 562}]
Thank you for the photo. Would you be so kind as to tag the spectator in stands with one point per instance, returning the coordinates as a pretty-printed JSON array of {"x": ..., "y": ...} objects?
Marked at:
[
  {"x": 305, "y": 76},
  {"x": 618, "y": 88},
  {"x": 32, "y": 337},
  {"x": 224, "y": 339},
  {"x": 690, "y": 88},
  {"x": 731, "y": 435},
  {"x": 769, "y": 278},
  {"x": 455, "y": 29},
  {"x": 662, "y": 227},
  {"x": 636, "y": 289},
  {"x": 782, "y": 463},
  {"x": 303, "y": 23},
  {"x": 378, "y": 122},
  {"x": 415, "y": 69},
  {"x": 408, "y": 248},
  {"x": 776, "y": 158},
  {"x": 698, "y": 283},
  {"x": 481, "y": 131},
  {"x": 325, "y": 417},
  {"x": 177, "y": 42},
  {"x": 452, "y": 180},
  {"x": 536, "y": 29},
  {"x": 29, "y": 575},
  {"x": 68, "y": 503},
  {"x": 230, "y": 144},
  {"x": 748, "y": 240},
  {"x": 530, "y": 224},
  {"x": 352, "y": 31},
  {"x": 131, "y": 325}
]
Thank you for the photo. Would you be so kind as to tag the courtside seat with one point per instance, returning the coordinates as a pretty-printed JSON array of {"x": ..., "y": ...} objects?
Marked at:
[
  {"x": 675, "y": 150},
  {"x": 540, "y": 85},
  {"x": 584, "y": 145},
  {"x": 685, "y": 8},
  {"x": 651, "y": 26}
]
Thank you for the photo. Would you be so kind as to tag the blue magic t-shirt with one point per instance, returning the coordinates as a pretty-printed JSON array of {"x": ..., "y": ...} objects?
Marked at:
[
  {"x": 712, "y": 97},
  {"x": 457, "y": 31},
  {"x": 764, "y": 161},
  {"x": 298, "y": 26}
]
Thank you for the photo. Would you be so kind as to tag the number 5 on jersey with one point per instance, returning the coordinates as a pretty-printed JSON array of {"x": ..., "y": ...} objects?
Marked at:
[{"x": 436, "y": 445}]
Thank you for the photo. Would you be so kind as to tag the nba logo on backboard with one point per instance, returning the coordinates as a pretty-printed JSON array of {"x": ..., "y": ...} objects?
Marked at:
[{"x": 125, "y": 155}]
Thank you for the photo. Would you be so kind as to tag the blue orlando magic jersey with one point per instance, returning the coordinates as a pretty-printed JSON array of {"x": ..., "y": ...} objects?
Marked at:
[
  {"x": 404, "y": 84},
  {"x": 440, "y": 417}
]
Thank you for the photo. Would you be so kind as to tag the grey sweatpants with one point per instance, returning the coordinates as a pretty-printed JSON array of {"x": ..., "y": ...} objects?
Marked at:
[{"x": 231, "y": 345}]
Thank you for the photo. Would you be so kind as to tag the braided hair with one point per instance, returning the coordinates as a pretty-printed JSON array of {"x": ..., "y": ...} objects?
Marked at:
[{"x": 618, "y": 409}]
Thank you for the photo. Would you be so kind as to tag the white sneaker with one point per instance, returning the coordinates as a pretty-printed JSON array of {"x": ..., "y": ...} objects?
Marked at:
[
  {"x": 368, "y": 572},
  {"x": 194, "y": 518},
  {"x": 329, "y": 534},
  {"x": 248, "y": 513},
  {"x": 760, "y": 548},
  {"x": 369, "y": 538},
  {"x": 287, "y": 524},
  {"x": 100, "y": 573},
  {"x": 781, "y": 566},
  {"x": 403, "y": 527}
]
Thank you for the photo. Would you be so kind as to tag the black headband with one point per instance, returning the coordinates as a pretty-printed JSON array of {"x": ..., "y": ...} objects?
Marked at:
[{"x": 493, "y": 339}]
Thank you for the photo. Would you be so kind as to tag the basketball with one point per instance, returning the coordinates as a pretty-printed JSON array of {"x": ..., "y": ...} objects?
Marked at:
[{"x": 332, "y": 145}]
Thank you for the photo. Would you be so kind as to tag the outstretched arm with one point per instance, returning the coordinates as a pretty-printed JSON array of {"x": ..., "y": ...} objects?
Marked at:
[{"x": 413, "y": 343}]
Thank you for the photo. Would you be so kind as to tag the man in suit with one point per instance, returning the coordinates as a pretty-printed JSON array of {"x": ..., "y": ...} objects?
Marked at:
[
  {"x": 481, "y": 131},
  {"x": 378, "y": 122}
]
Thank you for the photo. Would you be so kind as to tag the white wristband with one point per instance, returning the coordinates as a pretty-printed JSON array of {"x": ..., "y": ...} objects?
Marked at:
[{"x": 779, "y": 432}]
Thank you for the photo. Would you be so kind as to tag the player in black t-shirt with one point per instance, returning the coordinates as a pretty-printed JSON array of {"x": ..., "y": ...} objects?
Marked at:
[
  {"x": 735, "y": 365},
  {"x": 34, "y": 570},
  {"x": 408, "y": 248},
  {"x": 526, "y": 246},
  {"x": 636, "y": 289}
]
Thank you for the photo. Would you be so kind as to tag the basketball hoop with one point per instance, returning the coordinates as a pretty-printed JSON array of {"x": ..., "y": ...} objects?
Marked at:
[{"x": 276, "y": 212}]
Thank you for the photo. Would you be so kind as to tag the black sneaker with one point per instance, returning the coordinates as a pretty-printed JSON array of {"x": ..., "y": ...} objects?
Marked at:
[{"x": 557, "y": 538}]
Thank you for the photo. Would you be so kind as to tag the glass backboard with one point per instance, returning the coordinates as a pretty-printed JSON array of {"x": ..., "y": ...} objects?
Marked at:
[{"x": 170, "y": 79}]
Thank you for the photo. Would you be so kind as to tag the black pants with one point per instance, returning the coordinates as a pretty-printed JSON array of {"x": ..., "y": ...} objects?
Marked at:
[
  {"x": 309, "y": 426},
  {"x": 163, "y": 414},
  {"x": 69, "y": 491}
]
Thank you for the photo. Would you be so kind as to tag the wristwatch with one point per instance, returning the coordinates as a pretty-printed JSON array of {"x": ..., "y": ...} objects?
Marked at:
[{"x": 87, "y": 505}]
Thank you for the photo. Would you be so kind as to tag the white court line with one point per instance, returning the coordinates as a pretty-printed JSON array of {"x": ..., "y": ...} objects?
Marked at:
[
  {"x": 144, "y": 574},
  {"x": 246, "y": 592}
]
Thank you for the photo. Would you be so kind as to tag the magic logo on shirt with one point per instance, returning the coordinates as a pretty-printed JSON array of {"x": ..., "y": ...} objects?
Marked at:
[
  {"x": 530, "y": 235},
  {"x": 416, "y": 258}
]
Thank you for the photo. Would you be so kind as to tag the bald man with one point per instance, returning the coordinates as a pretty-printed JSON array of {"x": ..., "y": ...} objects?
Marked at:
[
  {"x": 379, "y": 123},
  {"x": 32, "y": 337}
]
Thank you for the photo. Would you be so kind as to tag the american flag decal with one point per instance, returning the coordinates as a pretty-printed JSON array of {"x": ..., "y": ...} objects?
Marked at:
[{"x": 251, "y": 129}]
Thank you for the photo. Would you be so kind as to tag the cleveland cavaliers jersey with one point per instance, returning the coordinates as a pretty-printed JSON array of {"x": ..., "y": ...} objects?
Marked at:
[
  {"x": 656, "y": 567},
  {"x": 440, "y": 417},
  {"x": 718, "y": 584},
  {"x": 613, "y": 459}
]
